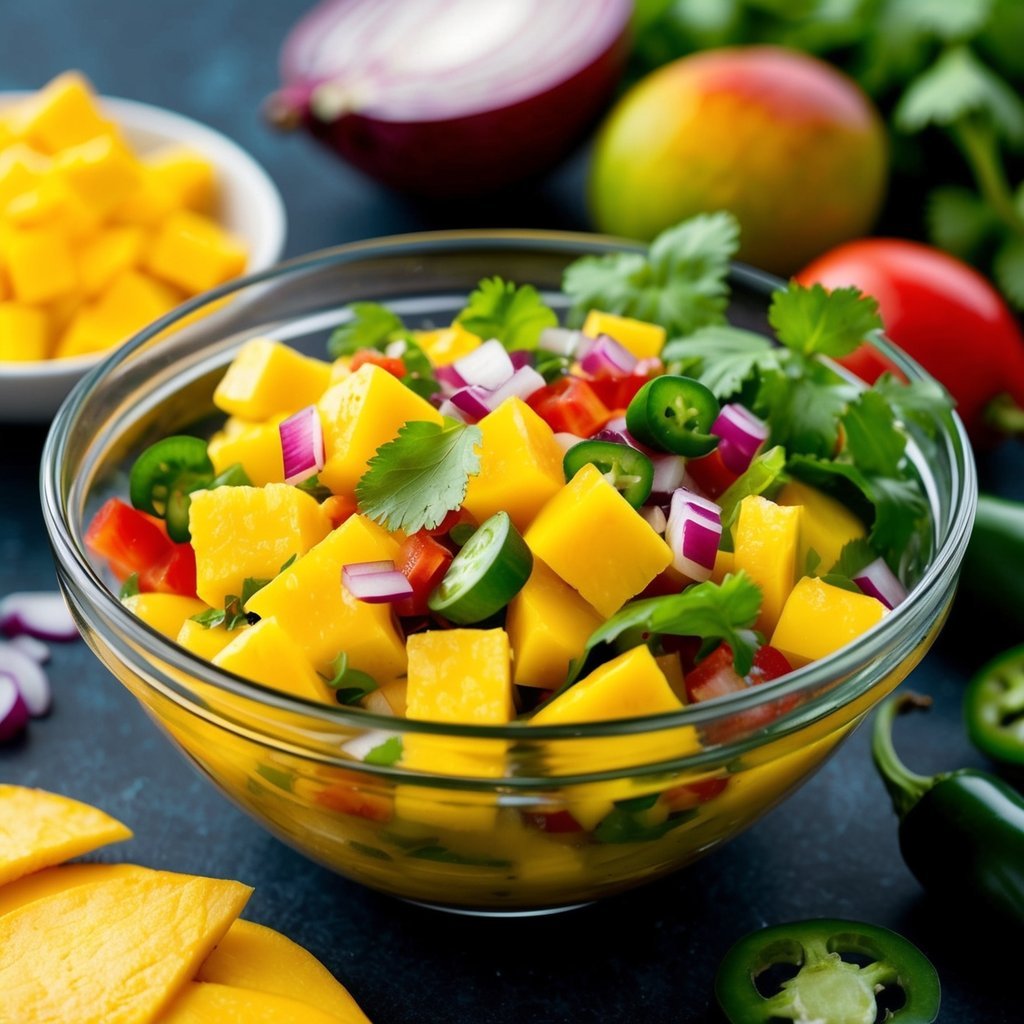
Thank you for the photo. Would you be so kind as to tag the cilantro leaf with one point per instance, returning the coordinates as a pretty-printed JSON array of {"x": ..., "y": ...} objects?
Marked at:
[
  {"x": 513, "y": 315},
  {"x": 387, "y": 753},
  {"x": 813, "y": 321},
  {"x": 719, "y": 611},
  {"x": 919, "y": 402},
  {"x": 854, "y": 555},
  {"x": 762, "y": 472},
  {"x": 1008, "y": 269},
  {"x": 349, "y": 684},
  {"x": 371, "y": 326},
  {"x": 209, "y": 619},
  {"x": 960, "y": 221},
  {"x": 872, "y": 438},
  {"x": 414, "y": 481},
  {"x": 419, "y": 371},
  {"x": 721, "y": 357},
  {"x": 680, "y": 283}
]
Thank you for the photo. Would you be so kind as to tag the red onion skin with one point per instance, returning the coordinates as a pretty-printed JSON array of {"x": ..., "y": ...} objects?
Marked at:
[
  {"x": 469, "y": 155},
  {"x": 13, "y": 722}
]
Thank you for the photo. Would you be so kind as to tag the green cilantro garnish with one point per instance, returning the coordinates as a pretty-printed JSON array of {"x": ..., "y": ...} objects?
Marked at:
[
  {"x": 414, "y": 481},
  {"x": 231, "y": 616},
  {"x": 253, "y": 585},
  {"x": 514, "y": 315},
  {"x": 349, "y": 684},
  {"x": 385, "y": 754},
  {"x": 855, "y": 555},
  {"x": 721, "y": 357},
  {"x": 372, "y": 326},
  {"x": 680, "y": 283},
  {"x": 762, "y": 473},
  {"x": 130, "y": 587},
  {"x": 813, "y": 321}
]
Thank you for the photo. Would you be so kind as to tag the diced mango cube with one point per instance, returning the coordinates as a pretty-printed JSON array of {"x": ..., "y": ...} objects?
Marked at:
[
  {"x": 101, "y": 172},
  {"x": 266, "y": 378},
  {"x": 194, "y": 253},
  {"x": 133, "y": 300},
  {"x": 40, "y": 265},
  {"x": 266, "y": 654},
  {"x": 63, "y": 113},
  {"x": 24, "y": 333},
  {"x": 447, "y": 344},
  {"x": 597, "y": 542},
  {"x": 205, "y": 642},
  {"x": 827, "y": 525},
  {"x": 166, "y": 613},
  {"x": 766, "y": 539},
  {"x": 520, "y": 465},
  {"x": 548, "y": 625},
  {"x": 148, "y": 205},
  {"x": 52, "y": 204},
  {"x": 21, "y": 168},
  {"x": 86, "y": 333},
  {"x": 107, "y": 255},
  {"x": 241, "y": 532},
  {"x": 725, "y": 565},
  {"x": 186, "y": 175},
  {"x": 317, "y": 611},
  {"x": 360, "y": 414},
  {"x": 819, "y": 618},
  {"x": 256, "y": 446},
  {"x": 643, "y": 339}
]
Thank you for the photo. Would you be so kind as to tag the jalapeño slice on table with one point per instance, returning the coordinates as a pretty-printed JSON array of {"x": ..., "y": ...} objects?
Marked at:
[
  {"x": 674, "y": 414},
  {"x": 629, "y": 471},
  {"x": 994, "y": 708},
  {"x": 485, "y": 575}
]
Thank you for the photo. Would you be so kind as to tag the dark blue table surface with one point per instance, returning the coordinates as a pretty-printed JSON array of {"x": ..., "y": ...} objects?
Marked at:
[{"x": 830, "y": 850}]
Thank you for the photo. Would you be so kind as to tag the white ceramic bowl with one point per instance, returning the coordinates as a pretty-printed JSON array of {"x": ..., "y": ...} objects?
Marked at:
[{"x": 249, "y": 206}]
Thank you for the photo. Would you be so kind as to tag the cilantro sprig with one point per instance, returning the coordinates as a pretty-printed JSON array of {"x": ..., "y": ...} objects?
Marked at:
[
  {"x": 515, "y": 315},
  {"x": 415, "y": 480},
  {"x": 350, "y": 685}
]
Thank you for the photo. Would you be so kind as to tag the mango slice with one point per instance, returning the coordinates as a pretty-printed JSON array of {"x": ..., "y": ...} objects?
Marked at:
[
  {"x": 644, "y": 340},
  {"x": 252, "y": 956},
  {"x": 50, "y": 881},
  {"x": 40, "y": 829},
  {"x": 114, "y": 951},
  {"x": 206, "y": 1003}
]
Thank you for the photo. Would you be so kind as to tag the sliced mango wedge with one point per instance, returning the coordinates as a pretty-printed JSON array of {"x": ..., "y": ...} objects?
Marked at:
[
  {"x": 49, "y": 881},
  {"x": 201, "y": 1002}
]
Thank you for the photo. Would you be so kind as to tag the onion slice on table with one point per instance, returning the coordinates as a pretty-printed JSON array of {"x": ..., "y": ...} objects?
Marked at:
[
  {"x": 13, "y": 713},
  {"x": 39, "y": 613},
  {"x": 28, "y": 676},
  {"x": 375, "y": 582},
  {"x": 451, "y": 97},
  {"x": 878, "y": 580},
  {"x": 693, "y": 532},
  {"x": 302, "y": 445},
  {"x": 35, "y": 649}
]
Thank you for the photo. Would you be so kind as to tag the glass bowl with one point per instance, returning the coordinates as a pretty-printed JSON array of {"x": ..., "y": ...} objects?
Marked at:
[{"x": 643, "y": 796}]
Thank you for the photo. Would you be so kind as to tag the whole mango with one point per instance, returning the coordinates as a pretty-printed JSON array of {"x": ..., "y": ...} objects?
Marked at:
[{"x": 786, "y": 142}]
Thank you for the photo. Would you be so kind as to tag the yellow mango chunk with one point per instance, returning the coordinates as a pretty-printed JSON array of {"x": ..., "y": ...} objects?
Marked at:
[
  {"x": 148, "y": 205},
  {"x": 597, "y": 542},
  {"x": 101, "y": 172},
  {"x": 113, "y": 951},
  {"x": 671, "y": 666},
  {"x": 360, "y": 414},
  {"x": 548, "y": 625},
  {"x": 52, "y": 204},
  {"x": 40, "y": 829},
  {"x": 520, "y": 465},
  {"x": 257, "y": 446},
  {"x": 21, "y": 169},
  {"x": 206, "y": 643},
  {"x": 725, "y": 565},
  {"x": 207, "y": 1003},
  {"x": 63, "y": 113},
  {"x": 317, "y": 611},
  {"x": 194, "y": 253},
  {"x": 252, "y": 956},
  {"x": 166, "y": 613},
  {"x": 40, "y": 264},
  {"x": 49, "y": 881},
  {"x": 241, "y": 532},
  {"x": 186, "y": 175},
  {"x": 131, "y": 301},
  {"x": 644, "y": 340},
  {"x": 265, "y": 654},
  {"x": 447, "y": 344},
  {"x": 24, "y": 333},
  {"x": 819, "y": 618},
  {"x": 267, "y": 378},
  {"x": 107, "y": 255},
  {"x": 826, "y": 526},
  {"x": 86, "y": 332},
  {"x": 766, "y": 540}
]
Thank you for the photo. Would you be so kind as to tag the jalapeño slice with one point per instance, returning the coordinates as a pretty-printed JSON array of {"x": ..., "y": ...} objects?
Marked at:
[
  {"x": 629, "y": 471},
  {"x": 674, "y": 414}
]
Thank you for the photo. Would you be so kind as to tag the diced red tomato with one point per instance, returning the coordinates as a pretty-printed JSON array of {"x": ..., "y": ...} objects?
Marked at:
[
  {"x": 452, "y": 519},
  {"x": 423, "y": 561},
  {"x": 715, "y": 676},
  {"x": 552, "y": 821},
  {"x": 176, "y": 574},
  {"x": 692, "y": 794},
  {"x": 354, "y": 799},
  {"x": 569, "y": 405},
  {"x": 393, "y": 365},
  {"x": 711, "y": 474},
  {"x": 338, "y": 508},
  {"x": 127, "y": 539},
  {"x": 618, "y": 392}
]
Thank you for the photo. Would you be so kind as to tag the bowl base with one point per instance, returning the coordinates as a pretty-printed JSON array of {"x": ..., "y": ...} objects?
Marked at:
[{"x": 540, "y": 912}]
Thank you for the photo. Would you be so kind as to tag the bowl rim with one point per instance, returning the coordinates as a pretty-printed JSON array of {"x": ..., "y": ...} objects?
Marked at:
[
  {"x": 137, "y": 115},
  {"x": 848, "y": 661}
]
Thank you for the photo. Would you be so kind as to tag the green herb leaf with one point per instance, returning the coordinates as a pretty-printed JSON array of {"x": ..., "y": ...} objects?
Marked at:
[
  {"x": 758, "y": 477},
  {"x": 251, "y": 585},
  {"x": 813, "y": 321},
  {"x": 349, "y": 684},
  {"x": 234, "y": 612},
  {"x": 414, "y": 481},
  {"x": 680, "y": 284},
  {"x": 721, "y": 357},
  {"x": 724, "y": 611},
  {"x": 873, "y": 441},
  {"x": 419, "y": 371},
  {"x": 312, "y": 486},
  {"x": 513, "y": 315},
  {"x": 371, "y": 326},
  {"x": 1008, "y": 269},
  {"x": 621, "y": 825},
  {"x": 385, "y": 754},
  {"x": 234, "y": 476},
  {"x": 961, "y": 222},
  {"x": 855, "y": 555},
  {"x": 130, "y": 587},
  {"x": 919, "y": 402},
  {"x": 209, "y": 619}
]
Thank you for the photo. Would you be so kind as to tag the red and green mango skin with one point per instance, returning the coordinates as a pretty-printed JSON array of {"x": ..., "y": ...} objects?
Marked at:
[{"x": 786, "y": 142}]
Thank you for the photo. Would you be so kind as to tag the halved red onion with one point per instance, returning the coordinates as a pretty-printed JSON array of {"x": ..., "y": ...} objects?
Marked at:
[
  {"x": 302, "y": 445},
  {"x": 35, "y": 649},
  {"x": 13, "y": 712},
  {"x": 375, "y": 582},
  {"x": 39, "y": 613},
  {"x": 605, "y": 357},
  {"x": 560, "y": 341},
  {"x": 655, "y": 515},
  {"x": 693, "y": 532},
  {"x": 742, "y": 436},
  {"x": 30, "y": 678},
  {"x": 451, "y": 97},
  {"x": 489, "y": 365},
  {"x": 878, "y": 580}
]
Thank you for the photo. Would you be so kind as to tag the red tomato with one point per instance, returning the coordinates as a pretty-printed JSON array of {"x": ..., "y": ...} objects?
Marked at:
[
  {"x": 423, "y": 561},
  {"x": 393, "y": 365},
  {"x": 940, "y": 311},
  {"x": 569, "y": 405},
  {"x": 692, "y": 794},
  {"x": 618, "y": 392},
  {"x": 355, "y": 799},
  {"x": 552, "y": 821},
  {"x": 129, "y": 540},
  {"x": 175, "y": 574},
  {"x": 711, "y": 474}
]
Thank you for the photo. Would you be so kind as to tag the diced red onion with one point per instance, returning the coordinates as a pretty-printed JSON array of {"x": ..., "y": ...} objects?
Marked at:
[
  {"x": 488, "y": 365},
  {"x": 523, "y": 383},
  {"x": 566, "y": 440},
  {"x": 375, "y": 582},
  {"x": 302, "y": 445},
  {"x": 652, "y": 366},
  {"x": 520, "y": 358},
  {"x": 693, "y": 532},
  {"x": 471, "y": 401},
  {"x": 669, "y": 473},
  {"x": 42, "y": 614},
  {"x": 605, "y": 357},
  {"x": 615, "y": 436},
  {"x": 879, "y": 581},
  {"x": 742, "y": 436},
  {"x": 449, "y": 378},
  {"x": 13, "y": 712},
  {"x": 560, "y": 341},
  {"x": 29, "y": 677},
  {"x": 35, "y": 649},
  {"x": 655, "y": 515},
  {"x": 448, "y": 408}
]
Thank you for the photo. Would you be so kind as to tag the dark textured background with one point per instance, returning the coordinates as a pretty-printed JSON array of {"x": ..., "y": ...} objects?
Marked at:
[{"x": 650, "y": 955}]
